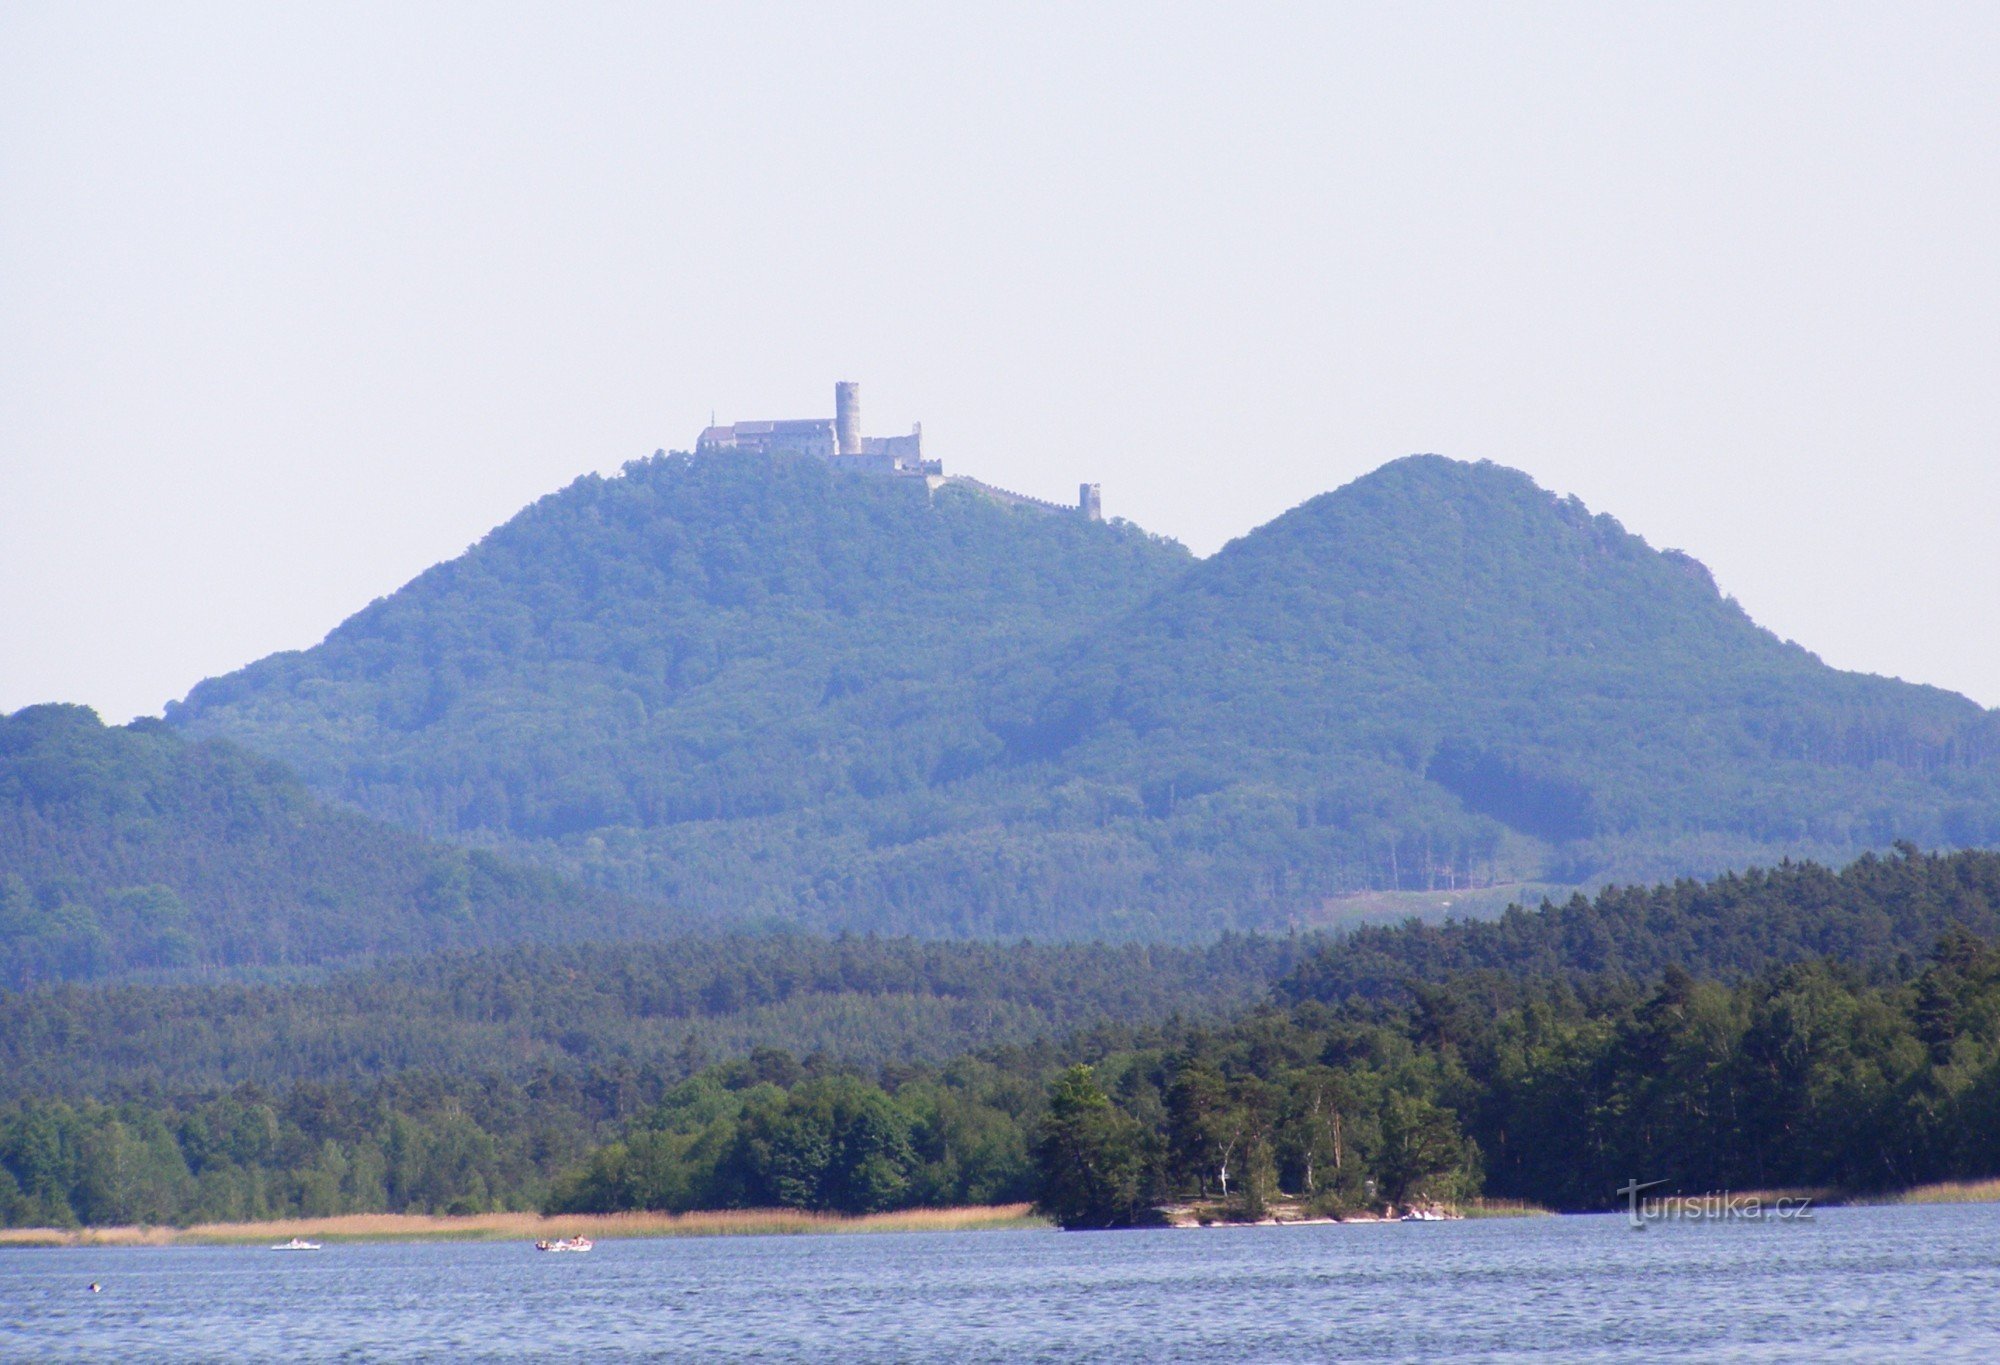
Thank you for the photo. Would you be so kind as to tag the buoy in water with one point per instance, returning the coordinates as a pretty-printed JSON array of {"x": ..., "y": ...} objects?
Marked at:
[{"x": 96, "y": 1288}]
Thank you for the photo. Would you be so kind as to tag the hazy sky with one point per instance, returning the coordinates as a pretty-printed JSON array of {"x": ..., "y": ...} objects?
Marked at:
[{"x": 296, "y": 301}]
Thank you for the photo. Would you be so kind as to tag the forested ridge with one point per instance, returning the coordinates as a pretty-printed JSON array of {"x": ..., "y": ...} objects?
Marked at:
[
  {"x": 515, "y": 1012},
  {"x": 760, "y": 689},
  {"x": 871, "y": 1001},
  {"x": 1871, "y": 914},
  {"x": 132, "y": 848},
  {"x": 1551, "y": 1059}
]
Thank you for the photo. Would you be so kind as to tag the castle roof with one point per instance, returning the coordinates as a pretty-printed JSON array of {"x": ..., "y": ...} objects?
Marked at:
[{"x": 803, "y": 426}]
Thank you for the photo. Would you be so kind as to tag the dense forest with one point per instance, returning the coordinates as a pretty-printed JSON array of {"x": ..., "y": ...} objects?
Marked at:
[
  {"x": 870, "y": 1002},
  {"x": 131, "y": 848},
  {"x": 411, "y": 1142},
  {"x": 1838, "y": 1029},
  {"x": 1802, "y": 1076},
  {"x": 1874, "y": 913},
  {"x": 515, "y": 1013},
  {"x": 759, "y": 689}
]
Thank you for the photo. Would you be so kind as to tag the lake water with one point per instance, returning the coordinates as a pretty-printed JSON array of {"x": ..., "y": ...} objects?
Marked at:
[{"x": 1865, "y": 1284}]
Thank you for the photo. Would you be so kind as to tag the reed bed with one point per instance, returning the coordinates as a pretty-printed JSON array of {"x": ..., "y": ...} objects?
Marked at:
[
  {"x": 1951, "y": 1192},
  {"x": 501, "y": 1227},
  {"x": 1817, "y": 1194},
  {"x": 1943, "y": 1192},
  {"x": 1501, "y": 1208}
]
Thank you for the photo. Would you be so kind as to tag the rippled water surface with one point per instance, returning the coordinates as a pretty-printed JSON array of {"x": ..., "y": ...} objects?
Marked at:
[{"x": 1867, "y": 1284}]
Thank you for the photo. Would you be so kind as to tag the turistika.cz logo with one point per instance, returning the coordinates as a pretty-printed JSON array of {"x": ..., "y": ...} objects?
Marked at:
[{"x": 1717, "y": 1206}]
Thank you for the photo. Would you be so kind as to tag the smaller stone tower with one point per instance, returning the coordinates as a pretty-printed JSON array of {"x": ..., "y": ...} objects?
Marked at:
[
  {"x": 1090, "y": 502},
  {"x": 847, "y": 418}
]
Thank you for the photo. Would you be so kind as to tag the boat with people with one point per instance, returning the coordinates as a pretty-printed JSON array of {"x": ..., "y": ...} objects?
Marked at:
[
  {"x": 578, "y": 1243},
  {"x": 296, "y": 1244}
]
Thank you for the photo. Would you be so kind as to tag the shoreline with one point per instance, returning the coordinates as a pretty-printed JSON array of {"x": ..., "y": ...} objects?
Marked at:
[
  {"x": 1290, "y": 1213},
  {"x": 1938, "y": 1192},
  {"x": 529, "y": 1227}
]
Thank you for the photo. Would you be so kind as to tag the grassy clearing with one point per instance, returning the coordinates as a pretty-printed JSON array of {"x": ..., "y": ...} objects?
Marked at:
[{"x": 503, "y": 1227}]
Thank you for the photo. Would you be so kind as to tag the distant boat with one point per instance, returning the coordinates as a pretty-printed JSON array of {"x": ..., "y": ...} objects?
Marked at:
[
  {"x": 564, "y": 1244},
  {"x": 1426, "y": 1216},
  {"x": 296, "y": 1244}
]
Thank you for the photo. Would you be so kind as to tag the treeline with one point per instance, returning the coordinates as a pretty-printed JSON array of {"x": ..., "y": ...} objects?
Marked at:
[
  {"x": 765, "y": 1133},
  {"x": 130, "y": 848},
  {"x": 411, "y": 1144},
  {"x": 864, "y": 1001},
  {"x": 870, "y": 1001},
  {"x": 1804, "y": 1075},
  {"x": 1551, "y": 1056},
  {"x": 1879, "y": 912}
]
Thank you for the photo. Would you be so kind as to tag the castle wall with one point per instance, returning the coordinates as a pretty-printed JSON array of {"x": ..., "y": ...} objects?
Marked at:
[
  {"x": 908, "y": 449},
  {"x": 1011, "y": 499}
]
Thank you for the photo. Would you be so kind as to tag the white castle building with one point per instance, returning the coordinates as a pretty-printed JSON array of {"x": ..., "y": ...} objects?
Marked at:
[{"x": 838, "y": 441}]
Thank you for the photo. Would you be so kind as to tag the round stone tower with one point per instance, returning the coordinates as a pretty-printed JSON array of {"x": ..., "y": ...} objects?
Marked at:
[{"x": 847, "y": 418}]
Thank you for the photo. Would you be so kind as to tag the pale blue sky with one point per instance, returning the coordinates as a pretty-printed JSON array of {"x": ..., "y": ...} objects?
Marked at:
[{"x": 296, "y": 301}]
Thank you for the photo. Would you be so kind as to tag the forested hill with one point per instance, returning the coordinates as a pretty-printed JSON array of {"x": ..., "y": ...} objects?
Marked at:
[
  {"x": 1442, "y": 673},
  {"x": 131, "y": 848},
  {"x": 715, "y": 678},
  {"x": 758, "y": 688}
]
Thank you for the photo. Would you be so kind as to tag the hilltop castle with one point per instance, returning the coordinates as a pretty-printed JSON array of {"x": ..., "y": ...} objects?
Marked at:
[{"x": 838, "y": 441}]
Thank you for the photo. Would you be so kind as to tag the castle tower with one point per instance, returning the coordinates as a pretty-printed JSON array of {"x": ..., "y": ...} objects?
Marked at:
[
  {"x": 1090, "y": 502},
  {"x": 847, "y": 418}
]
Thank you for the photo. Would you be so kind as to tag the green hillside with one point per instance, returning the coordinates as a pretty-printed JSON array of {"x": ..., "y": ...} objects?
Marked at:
[
  {"x": 711, "y": 679},
  {"x": 761, "y": 689},
  {"x": 131, "y": 848},
  {"x": 1442, "y": 674}
]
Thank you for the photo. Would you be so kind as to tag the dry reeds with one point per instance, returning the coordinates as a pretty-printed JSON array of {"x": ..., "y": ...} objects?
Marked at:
[
  {"x": 1951, "y": 1192},
  {"x": 489, "y": 1227},
  {"x": 1500, "y": 1208}
]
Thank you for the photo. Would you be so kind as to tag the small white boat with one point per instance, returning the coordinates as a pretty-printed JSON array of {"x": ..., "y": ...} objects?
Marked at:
[
  {"x": 1426, "y": 1216},
  {"x": 564, "y": 1244},
  {"x": 296, "y": 1244}
]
